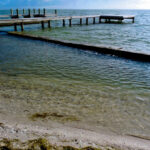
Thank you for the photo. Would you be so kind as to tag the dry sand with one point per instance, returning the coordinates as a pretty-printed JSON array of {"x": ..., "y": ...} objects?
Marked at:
[{"x": 62, "y": 135}]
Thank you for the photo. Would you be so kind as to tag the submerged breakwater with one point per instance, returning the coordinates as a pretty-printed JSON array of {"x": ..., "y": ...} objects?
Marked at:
[{"x": 99, "y": 49}]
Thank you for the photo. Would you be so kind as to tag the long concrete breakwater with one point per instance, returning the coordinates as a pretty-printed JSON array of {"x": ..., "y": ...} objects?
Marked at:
[{"x": 99, "y": 49}]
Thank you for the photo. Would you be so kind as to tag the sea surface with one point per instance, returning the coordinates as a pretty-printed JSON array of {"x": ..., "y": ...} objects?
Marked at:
[
  {"x": 127, "y": 36},
  {"x": 78, "y": 86}
]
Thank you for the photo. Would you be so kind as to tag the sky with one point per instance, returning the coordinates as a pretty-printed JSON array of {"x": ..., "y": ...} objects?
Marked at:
[{"x": 76, "y": 4}]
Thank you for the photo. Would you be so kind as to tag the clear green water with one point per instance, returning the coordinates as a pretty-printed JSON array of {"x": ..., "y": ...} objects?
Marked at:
[
  {"x": 85, "y": 87},
  {"x": 128, "y": 36}
]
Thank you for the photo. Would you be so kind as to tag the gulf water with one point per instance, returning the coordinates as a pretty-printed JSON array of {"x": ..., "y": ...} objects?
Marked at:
[{"x": 88, "y": 88}]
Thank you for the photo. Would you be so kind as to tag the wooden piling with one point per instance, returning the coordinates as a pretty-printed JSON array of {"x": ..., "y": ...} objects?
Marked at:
[
  {"x": 11, "y": 11},
  {"x": 120, "y": 21},
  {"x": 34, "y": 11},
  {"x": 63, "y": 22},
  {"x": 22, "y": 27},
  {"x": 39, "y": 11},
  {"x": 44, "y": 11},
  {"x": 49, "y": 24},
  {"x": 42, "y": 23},
  {"x": 70, "y": 22},
  {"x": 133, "y": 20},
  {"x": 55, "y": 12},
  {"x": 87, "y": 21},
  {"x": 80, "y": 21},
  {"x": 99, "y": 19},
  {"x": 23, "y": 11},
  {"x": 93, "y": 20},
  {"x": 15, "y": 27},
  {"x": 17, "y": 12},
  {"x": 29, "y": 12}
]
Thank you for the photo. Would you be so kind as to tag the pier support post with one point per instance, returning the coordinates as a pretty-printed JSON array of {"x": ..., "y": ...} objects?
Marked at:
[
  {"x": 120, "y": 21},
  {"x": 42, "y": 23},
  {"x": 23, "y": 11},
  {"x": 133, "y": 20},
  {"x": 44, "y": 11},
  {"x": 99, "y": 19},
  {"x": 29, "y": 12},
  {"x": 94, "y": 20},
  {"x": 15, "y": 27},
  {"x": 63, "y": 22},
  {"x": 55, "y": 12},
  {"x": 11, "y": 11},
  {"x": 49, "y": 24},
  {"x": 80, "y": 21},
  {"x": 22, "y": 27},
  {"x": 70, "y": 22},
  {"x": 87, "y": 21},
  {"x": 39, "y": 11},
  {"x": 17, "y": 12},
  {"x": 33, "y": 11}
]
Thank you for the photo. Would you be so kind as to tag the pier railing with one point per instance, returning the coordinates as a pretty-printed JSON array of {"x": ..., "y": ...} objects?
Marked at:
[{"x": 28, "y": 13}]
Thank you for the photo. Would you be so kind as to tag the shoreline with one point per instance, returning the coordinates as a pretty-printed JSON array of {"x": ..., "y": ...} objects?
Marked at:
[
  {"x": 61, "y": 136},
  {"x": 143, "y": 57}
]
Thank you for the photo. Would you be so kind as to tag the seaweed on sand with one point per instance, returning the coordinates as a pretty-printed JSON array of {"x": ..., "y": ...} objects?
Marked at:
[
  {"x": 39, "y": 144},
  {"x": 53, "y": 116},
  {"x": 72, "y": 148},
  {"x": 6, "y": 144}
]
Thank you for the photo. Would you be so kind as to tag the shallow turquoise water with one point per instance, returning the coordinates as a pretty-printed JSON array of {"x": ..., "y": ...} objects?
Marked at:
[
  {"x": 99, "y": 90},
  {"x": 89, "y": 88},
  {"x": 128, "y": 36}
]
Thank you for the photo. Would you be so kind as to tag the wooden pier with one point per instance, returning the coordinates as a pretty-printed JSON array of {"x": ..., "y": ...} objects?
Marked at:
[
  {"x": 38, "y": 18},
  {"x": 108, "y": 18}
]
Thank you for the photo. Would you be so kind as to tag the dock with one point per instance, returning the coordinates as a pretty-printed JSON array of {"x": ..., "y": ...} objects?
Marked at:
[
  {"x": 42, "y": 18},
  {"x": 109, "y": 18}
]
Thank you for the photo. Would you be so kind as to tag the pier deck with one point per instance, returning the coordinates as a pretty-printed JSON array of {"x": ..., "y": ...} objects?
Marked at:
[{"x": 41, "y": 20}]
